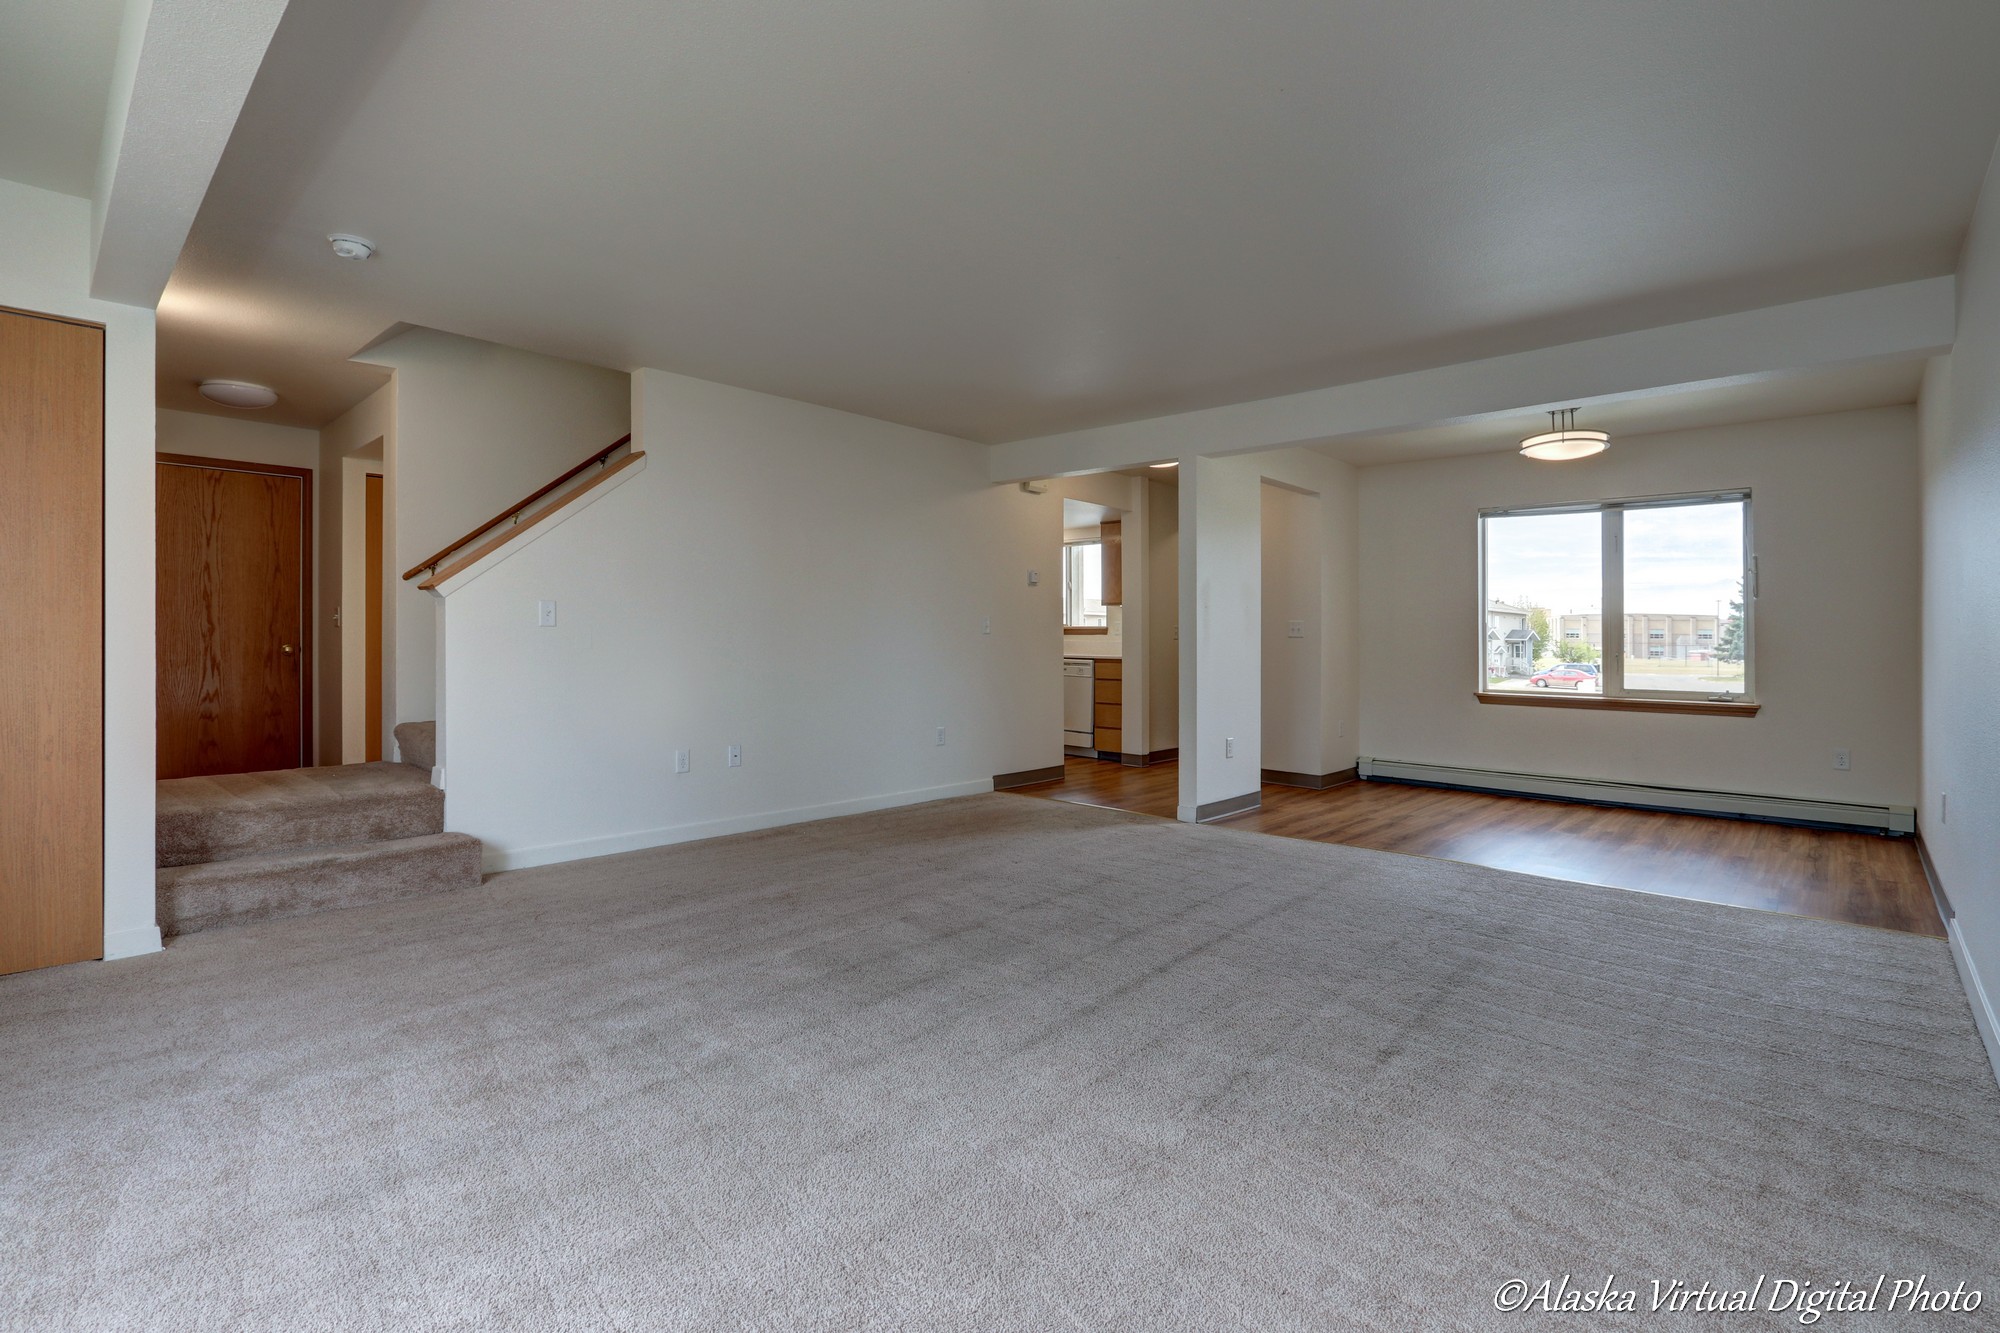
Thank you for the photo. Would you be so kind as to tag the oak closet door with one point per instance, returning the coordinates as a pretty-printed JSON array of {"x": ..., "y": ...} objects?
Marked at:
[
  {"x": 231, "y": 617},
  {"x": 51, "y": 641}
]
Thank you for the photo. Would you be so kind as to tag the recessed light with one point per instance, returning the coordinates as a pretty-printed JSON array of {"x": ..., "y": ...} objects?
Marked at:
[
  {"x": 350, "y": 247},
  {"x": 238, "y": 393}
]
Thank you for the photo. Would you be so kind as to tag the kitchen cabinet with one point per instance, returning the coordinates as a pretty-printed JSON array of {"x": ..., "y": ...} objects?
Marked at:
[
  {"x": 1111, "y": 536},
  {"x": 1107, "y": 696}
]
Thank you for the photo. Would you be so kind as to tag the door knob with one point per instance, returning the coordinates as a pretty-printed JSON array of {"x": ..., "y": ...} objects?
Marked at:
[{"x": 285, "y": 647}]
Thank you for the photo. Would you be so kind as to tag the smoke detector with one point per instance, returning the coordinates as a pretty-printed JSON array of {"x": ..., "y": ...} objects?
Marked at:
[
  {"x": 350, "y": 247},
  {"x": 238, "y": 393}
]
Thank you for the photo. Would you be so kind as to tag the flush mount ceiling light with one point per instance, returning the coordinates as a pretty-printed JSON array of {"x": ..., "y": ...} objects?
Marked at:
[
  {"x": 1563, "y": 441},
  {"x": 350, "y": 247},
  {"x": 238, "y": 393},
  {"x": 1172, "y": 462}
]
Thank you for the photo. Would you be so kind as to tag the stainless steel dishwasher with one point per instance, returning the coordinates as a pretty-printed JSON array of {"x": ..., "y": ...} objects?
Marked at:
[{"x": 1078, "y": 674}]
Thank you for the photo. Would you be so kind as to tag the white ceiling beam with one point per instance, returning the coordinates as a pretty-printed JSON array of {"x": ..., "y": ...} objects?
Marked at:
[
  {"x": 184, "y": 69},
  {"x": 1906, "y": 321}
]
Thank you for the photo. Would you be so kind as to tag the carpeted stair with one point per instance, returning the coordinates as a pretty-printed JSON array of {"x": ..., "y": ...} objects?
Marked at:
[
  {"x": 252, "y": 846},
  {"x": 417, "y": 743}
]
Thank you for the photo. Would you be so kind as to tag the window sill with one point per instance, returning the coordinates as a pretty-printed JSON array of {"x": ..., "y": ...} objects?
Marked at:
[{"x": 1598, "y": 703}]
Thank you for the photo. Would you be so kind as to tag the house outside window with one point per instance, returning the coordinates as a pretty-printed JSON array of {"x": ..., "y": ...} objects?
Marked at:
[{"x": 1511, "y": 645}]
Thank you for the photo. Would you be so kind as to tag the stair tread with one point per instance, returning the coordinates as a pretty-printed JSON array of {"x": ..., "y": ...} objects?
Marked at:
[
  {"x": 284, "y": 858},
  {"x": 301, "y": 881},
  {"x": 242, "y": 814},
  {"x": 289, "y": 788}
]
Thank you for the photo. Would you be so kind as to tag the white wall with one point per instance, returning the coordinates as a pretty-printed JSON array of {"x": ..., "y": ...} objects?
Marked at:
[
  {"x": 1961, "y": 613},
  {"x": 241, "y": 439},
  {"x": 1292, "y": 698},
  {"x": 350, "y": 446},
  {"x": 808, "y": 584},
  {"x": 1221, "y": 589},
  {"x": 45, "y": 267},
  {"x": 1225, "y": 655},
  {"x": 478, "y": 426},
  {"x": 1834, "y": 509}
]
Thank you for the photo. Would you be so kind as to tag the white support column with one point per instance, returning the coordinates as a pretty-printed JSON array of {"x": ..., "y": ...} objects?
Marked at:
[{"x": 1221, "y": 763}]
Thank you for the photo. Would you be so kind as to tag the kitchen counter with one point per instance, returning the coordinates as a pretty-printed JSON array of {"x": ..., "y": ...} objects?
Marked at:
[{"x": 1109, "y": 655}]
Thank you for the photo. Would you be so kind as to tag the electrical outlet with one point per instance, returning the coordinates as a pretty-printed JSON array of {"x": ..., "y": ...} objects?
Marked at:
[
  {"x": 1295, "y": 629},
  {"x": 1944, "y": 809},
  {"x": 683, "y": 761},
  {"x": 940, "y": 739},
  {"x": 545, "y": 614},
  {"x": 1842, "y": 760},
  {"x": 1229, "y": 747},
  {"x": 986, "y": 625},
  {"x": 734, "y": 756},
  {"x": 1034, "y": 578}
]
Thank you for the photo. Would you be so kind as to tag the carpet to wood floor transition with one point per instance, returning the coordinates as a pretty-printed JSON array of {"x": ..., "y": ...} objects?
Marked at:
[{"x": 991, "y": 1063}]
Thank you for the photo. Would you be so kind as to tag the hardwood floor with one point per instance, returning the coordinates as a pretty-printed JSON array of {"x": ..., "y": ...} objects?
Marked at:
[{"x": 1860, "y": 878}]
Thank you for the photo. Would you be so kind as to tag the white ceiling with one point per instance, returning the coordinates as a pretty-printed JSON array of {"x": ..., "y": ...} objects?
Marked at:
[
  {"x": 1842, "y": 390},
  {"x": 1008, "y": 218},
  {"x": 55, "y": 83}
]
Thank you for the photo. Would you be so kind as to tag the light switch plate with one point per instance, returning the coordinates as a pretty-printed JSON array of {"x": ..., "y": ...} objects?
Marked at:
[
  {"x": 545, "y": 614},
  {"x": 1295, "y": 629}
]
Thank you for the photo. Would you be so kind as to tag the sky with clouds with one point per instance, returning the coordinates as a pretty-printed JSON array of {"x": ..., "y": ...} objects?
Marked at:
[{"x": 1680, "y": 560}]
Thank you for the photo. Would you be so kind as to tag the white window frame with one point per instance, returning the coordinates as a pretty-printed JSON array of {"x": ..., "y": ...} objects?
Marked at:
[
  {"x": 1067, "y": 626},
  {"x": 1611, "y": 654}
]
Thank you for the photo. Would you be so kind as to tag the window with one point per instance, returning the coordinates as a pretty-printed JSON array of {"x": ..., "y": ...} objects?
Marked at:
[
  {"x": 1671, "y": 579},
  {"x": 1083, "y": 586}
]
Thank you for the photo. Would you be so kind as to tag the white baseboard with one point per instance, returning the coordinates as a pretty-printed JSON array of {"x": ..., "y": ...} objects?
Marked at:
[
  {"x": 132, "y": 942},
  {"x": 521, "y": 858},
  {"x": 1975, "y": 991},
  {"x": 1882, "y": 818}
]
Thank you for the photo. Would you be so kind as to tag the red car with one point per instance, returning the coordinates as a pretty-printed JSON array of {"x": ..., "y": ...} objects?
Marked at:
[{"x": 1567, "y": 673}]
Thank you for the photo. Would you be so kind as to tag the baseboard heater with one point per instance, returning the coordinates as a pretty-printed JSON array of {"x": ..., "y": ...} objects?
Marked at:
[{"x": 1744, "y": 805}]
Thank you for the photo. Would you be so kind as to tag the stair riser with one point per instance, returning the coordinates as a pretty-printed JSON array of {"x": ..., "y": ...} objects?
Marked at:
[
  {"x": 234, "y": 893},
  {"x": 225, "y": 835}
]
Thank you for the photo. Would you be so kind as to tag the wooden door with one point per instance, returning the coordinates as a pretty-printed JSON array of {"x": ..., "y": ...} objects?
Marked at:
[
  {"x": 52, "y": 643},
  {"x": 234, "y": 616},
  {"x": 373, "y": 488}
]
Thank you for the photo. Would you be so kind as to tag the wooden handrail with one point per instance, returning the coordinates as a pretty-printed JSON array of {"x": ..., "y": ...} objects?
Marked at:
[
  {"x": 513, "y": 511},
  {"x": 484, "y": 549}
]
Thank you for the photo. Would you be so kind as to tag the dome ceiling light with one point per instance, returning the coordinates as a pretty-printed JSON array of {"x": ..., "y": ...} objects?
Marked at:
[
  {"x": 1563, "y": 441},
  {"x": 350, "y": 247},
  {"x": 238, "y": 393}
]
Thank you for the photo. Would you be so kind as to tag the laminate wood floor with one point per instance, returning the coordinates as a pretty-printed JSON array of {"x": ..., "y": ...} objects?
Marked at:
[{"x": 1862, "y": 878}]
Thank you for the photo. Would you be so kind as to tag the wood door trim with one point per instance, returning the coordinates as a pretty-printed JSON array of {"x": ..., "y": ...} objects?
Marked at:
[
  {"x": 53, "y": 319},
  {"x": 306, "y": 568}
]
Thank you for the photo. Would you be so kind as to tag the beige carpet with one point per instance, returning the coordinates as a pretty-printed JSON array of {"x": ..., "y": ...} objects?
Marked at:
[{"x": 996, "y": 1063}]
